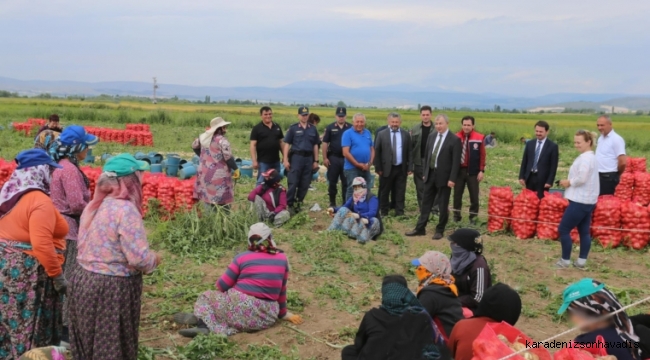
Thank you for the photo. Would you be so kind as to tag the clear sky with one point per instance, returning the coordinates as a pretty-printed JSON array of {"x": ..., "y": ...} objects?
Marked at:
[{"x": 519, "y": 47}]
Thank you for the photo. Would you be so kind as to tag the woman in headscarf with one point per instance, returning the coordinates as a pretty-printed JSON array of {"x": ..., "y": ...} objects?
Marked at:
[
  {"x": 359, "y": 216},
  {"x": 32, "y": 242},
  {"x": 214, "y": 181},
  {"x": 70, "y": 193},
  {"x": 270, "y": 199},
  {"x": 588, "y": 301},
  {"x": 437, "y": 291},
  {"x": 106, "y": 288},
  {"x": 251, "y": 295},
  {"x": 48, "y": 133},
  {"x": 469, "y": 268},
  {"x": 499, "y": 303},
  {"x": 399, "y": 329}
]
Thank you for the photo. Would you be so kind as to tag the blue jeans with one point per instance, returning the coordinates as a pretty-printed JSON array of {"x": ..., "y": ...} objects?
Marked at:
[
  {"x": 576, "y": 215},
  {"x": 262, "y": 167},
  {"x": 350, "y": 175}
]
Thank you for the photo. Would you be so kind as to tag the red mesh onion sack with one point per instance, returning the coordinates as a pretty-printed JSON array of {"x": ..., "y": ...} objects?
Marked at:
[
  {"x": 500, "y": 202},
  {"x": 524, "y": 214}
]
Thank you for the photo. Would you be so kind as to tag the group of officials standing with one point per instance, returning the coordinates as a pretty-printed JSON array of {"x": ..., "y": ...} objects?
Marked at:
[{"x": 439, "y": 160}]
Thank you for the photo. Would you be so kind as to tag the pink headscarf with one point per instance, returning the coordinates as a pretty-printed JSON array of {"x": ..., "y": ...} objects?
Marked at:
[{"x": 123, "y": 188}]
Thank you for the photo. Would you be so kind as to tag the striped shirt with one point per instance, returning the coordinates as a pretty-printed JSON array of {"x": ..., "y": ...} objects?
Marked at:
[
  {"x": 584, "y": 181},
  {"x": 258, "y": 274}
]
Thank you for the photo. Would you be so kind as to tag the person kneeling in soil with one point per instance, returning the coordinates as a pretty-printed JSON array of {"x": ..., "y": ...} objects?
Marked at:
[
  {"x": 438, "y": 294},
  {"x": 499, "y": 303},
  {"x": 251, "y": 295},
  {"x": 587, "y": 301},
  {"x": 399, "y": 328},
  {"x": 359, "y": 216},
  {"x": 469, "y": 268},
  {"x": 270, "y": 199}
]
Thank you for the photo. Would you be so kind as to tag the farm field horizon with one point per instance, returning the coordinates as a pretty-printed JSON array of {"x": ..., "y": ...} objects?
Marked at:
[{"x": 334, "y": 280}]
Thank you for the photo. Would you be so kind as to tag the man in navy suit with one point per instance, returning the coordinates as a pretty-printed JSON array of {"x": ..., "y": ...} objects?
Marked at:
[{"x": 539, "y": 164}]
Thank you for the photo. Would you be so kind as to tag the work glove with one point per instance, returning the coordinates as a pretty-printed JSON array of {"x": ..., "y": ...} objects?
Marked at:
[
  {"x": 364, "y": 221},
  {"x": 272, "y": 217},
  {"x": 60, "y": 285},
  {"x": 330, "y": 211},
  {"x": 294, "y": 319},
  {"x": 236, "y": 174},
  {"x": 355, "y": 216}
]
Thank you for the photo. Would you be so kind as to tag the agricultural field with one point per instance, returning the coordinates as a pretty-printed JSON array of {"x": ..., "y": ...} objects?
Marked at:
[{"x": 334, "y": 280}]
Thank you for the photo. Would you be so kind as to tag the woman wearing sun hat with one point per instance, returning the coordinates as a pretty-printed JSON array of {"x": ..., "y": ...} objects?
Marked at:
[
  {"x": 113, "y": 253},
  {"x": 70, "y": 192},
  {"x": 214, "y": 185},
  {"x": 250, "y": 296},
  {"x": 588, "y": 301},
  {"x": 32, "y": 242}
]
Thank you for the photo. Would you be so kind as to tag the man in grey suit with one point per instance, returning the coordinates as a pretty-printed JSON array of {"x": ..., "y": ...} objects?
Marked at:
[
  {"x": 439, "y": 174},
  {"x": 392, "y": 164}
]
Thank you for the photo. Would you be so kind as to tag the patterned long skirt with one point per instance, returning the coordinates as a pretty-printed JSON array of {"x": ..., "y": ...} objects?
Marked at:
[
  {"x": 69, "y": 266},
  {"x": 30, "y": 308},
  {"x": 232, "y": 311},
  {"x": 354, "y": 228},
  {"x": 263, "y": 213},
  {"x": 104, "y": 315}
]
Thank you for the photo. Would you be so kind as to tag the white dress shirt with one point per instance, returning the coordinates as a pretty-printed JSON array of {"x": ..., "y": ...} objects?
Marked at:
[
  {"x": 398, "y": 147},
  {"x": 583, "y": 180},
  {"x": 444, "y": 136}
]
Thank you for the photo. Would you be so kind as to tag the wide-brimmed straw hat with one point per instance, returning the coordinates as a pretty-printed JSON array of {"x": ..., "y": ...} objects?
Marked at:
[{"x": 215, "y": 124}]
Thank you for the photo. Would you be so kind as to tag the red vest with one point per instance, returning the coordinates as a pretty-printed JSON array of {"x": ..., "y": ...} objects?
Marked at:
[{"x": 473, "y": 161}]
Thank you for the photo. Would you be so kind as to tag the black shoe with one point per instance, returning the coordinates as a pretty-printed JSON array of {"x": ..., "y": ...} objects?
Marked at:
[
  {"x": 473, "y": 222},
  {"x": 416, "y": 233},
  {"x": 186, "y": 319},
  {"x": 384, "y": 214},
  {"x": 437, "y": 236},
  {"x": 193, "y": 332},
  {"x": 457, "y": 220},
  {"x": 333, "y": 205}
]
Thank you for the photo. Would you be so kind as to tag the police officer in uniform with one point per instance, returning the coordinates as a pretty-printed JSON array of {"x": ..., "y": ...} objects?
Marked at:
[
  {"x": 302, "y": 137},
  {"x": 333, "y": 155}
]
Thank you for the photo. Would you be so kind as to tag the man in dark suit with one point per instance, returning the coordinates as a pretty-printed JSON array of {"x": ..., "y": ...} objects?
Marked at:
[
  {"x": 392, "y": 164},
  {"x": 440, "y": 172},
  {"x": 539, "y": 164}
]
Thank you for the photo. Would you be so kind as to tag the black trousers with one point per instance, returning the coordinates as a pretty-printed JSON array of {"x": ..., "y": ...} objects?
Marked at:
[
  {"x": 608, "y": 182},
  {"x": 419, "y": 183},
  {"x": 431, "y": 191},
  {"x": 471, "y": 181},
  {"x": 392, "y": 195},
  {"x": 395, "y": 185},
  {"x": 299, "y": 178},
  {"x": 536, "y": 185},
  {"x": 334, "y": 174}
]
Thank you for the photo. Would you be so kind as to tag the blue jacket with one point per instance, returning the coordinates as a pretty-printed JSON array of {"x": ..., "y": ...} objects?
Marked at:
[{"x": 367, "y": 209}]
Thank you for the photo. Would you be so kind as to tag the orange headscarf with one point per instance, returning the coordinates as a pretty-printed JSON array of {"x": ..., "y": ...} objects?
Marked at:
[{"x": 441, "y": 274}]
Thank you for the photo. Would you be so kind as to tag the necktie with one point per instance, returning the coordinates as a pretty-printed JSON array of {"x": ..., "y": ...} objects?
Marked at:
[
  {"x": 537, "y": 151},
  {"x": 465, "y": 146},
  {"x": 394, "y": 147},
  {"x": 432, "y": 163}
]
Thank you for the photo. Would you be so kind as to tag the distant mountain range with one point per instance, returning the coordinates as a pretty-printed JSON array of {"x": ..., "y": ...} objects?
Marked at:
[{"x": 400, "y": 95}]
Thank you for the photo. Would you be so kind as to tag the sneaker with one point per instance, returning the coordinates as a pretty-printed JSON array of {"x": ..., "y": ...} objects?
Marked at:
[
  {"x": 186, "y": 319},
  {"x": 561, "y": 264},
  {"x": 193, "y": 332},
  {"x": 311, "y": 188},
  {"x": 64, "y": 344},
  {"x": 579, "y": 267}
]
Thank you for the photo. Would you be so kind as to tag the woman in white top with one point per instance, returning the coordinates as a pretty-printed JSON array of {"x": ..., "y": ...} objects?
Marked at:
[{"x": 582, "y": 188}]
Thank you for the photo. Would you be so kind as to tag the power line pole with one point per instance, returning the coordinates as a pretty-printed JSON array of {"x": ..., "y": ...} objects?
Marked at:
[{"x": 155, "y": 86}]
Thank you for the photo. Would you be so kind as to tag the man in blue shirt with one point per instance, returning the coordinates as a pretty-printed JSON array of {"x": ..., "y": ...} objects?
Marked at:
[
  {"x": 358, "y": 151},
  {"x": 303, "y": 139},
  {"x": 333, "y": 155}
]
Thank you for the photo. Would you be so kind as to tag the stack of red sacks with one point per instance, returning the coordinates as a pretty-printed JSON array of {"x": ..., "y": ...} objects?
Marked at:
[
  {"x": 185, "y": 195},
  {"x": 499, "y": 207},
  {"x": 92, "y": 174},
  {"x": 127, "y": 137},
  {"x": 635, "y": 221},
  {"x": 149, "y": 190},
  {"x": 551, "y": 210},
  {"x": 524, "y": 214},
  {"x": 6, "y": 169}
]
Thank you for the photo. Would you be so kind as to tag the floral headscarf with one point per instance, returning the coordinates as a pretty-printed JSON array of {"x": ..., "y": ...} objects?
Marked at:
[
  {"x": 58, "y": 151},
  {"x": 21, "y": 182}
]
